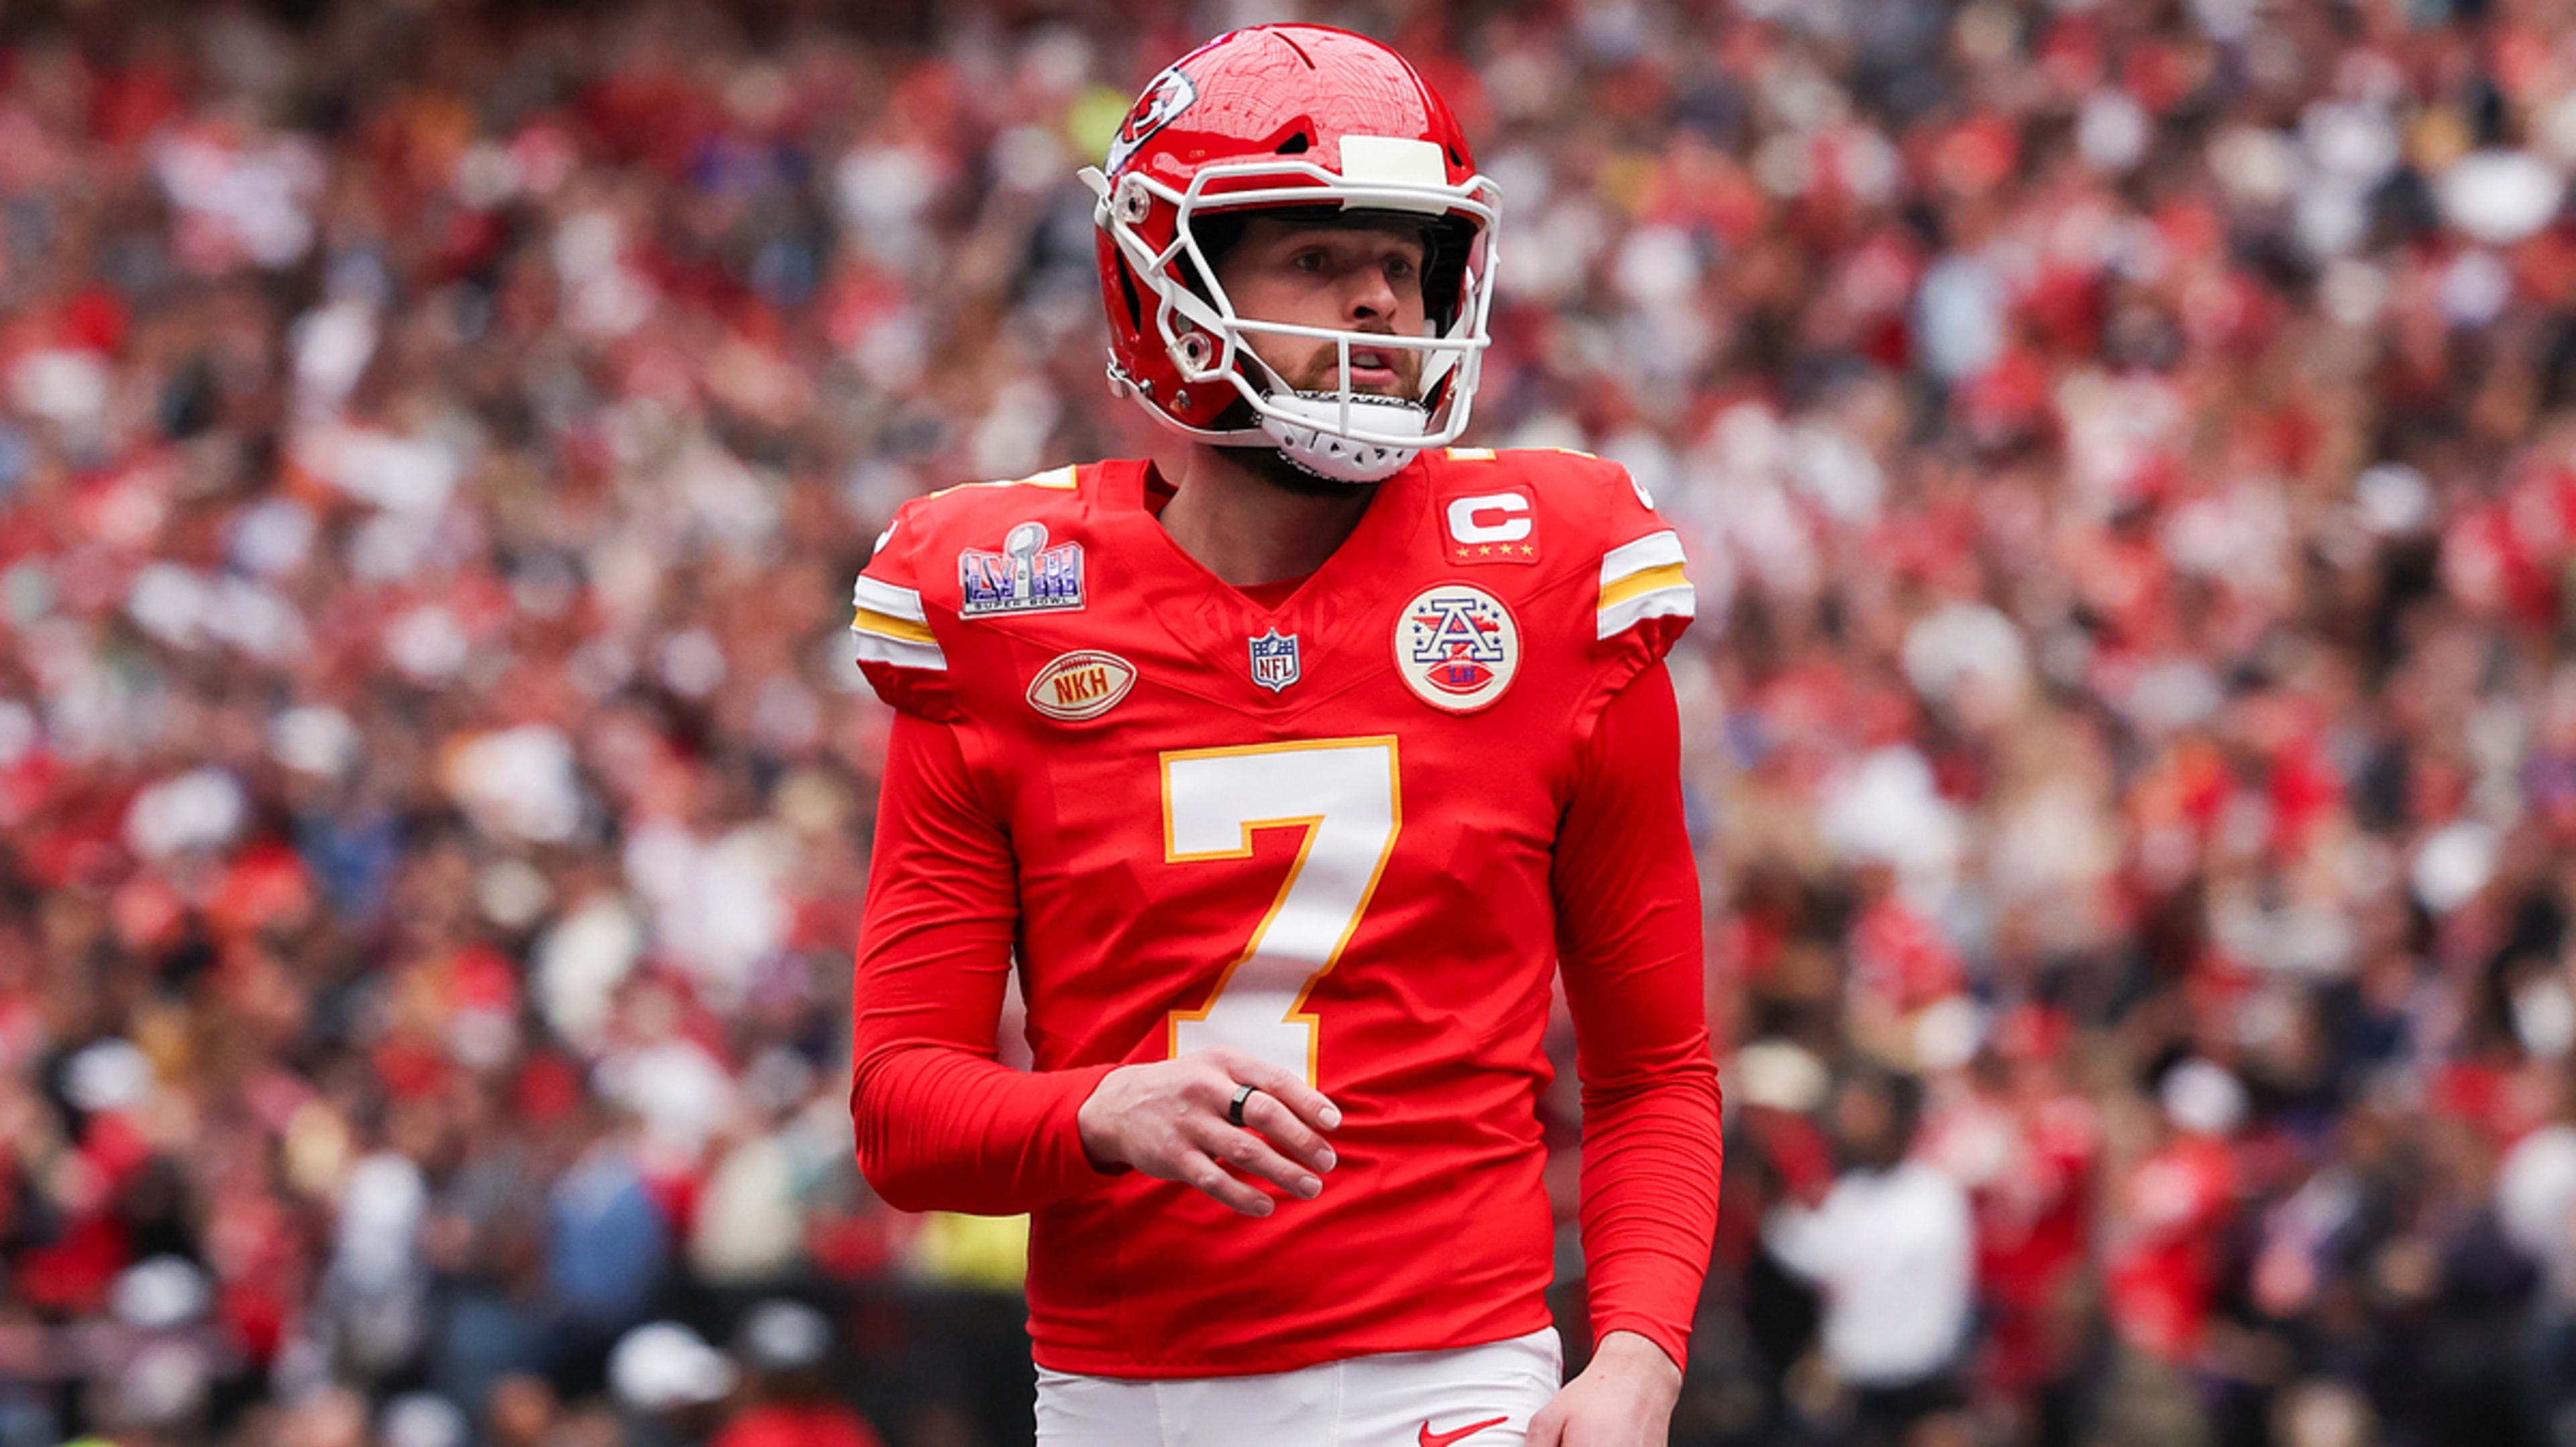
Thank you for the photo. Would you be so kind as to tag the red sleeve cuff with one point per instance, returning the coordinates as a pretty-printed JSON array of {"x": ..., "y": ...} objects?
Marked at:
[
  {"x": 1673, "y": 1341},
  {"x": 943, "y": 1130}
]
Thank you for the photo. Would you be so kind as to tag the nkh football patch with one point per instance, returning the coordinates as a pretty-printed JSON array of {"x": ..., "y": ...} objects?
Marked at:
[
  {"x": 1026, "y": 576},
  {"x": 1081, "y": 685},
  {"x": 1457, "y": 647},
  {"x": 1274, "y": 660}
]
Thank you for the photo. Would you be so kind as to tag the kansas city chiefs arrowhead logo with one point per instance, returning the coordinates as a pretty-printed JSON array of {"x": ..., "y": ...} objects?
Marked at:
[{"x": 1169, "y": 95}]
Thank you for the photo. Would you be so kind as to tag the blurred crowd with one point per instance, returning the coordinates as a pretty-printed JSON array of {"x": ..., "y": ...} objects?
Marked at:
[{"x": 2127, "y": 453}]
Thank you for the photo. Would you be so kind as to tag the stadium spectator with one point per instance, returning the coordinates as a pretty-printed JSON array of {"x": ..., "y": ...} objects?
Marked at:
[
  {"x": 1891, "y": 1249},
  {"x": 787, "y": 1346}
]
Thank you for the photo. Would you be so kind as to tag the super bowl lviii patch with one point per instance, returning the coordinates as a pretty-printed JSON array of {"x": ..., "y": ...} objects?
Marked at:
[
  {"x": 1026, "y": 576},
  {"x": 1457, "y": 647}
]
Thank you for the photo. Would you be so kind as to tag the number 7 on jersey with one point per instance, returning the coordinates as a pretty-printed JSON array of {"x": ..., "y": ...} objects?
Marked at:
[{"x": 1342, "y": 793}]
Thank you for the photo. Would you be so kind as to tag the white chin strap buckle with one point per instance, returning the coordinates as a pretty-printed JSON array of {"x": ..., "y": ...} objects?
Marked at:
[{"x": 1307, "y": 437}]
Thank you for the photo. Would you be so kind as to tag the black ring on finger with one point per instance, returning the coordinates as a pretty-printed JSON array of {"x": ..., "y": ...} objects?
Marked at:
[{"x": 1242, "y": 1093}]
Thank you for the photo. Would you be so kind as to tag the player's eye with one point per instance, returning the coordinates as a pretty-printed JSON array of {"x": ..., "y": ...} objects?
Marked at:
[
  {"x": 1311, "y": 259},
  {"x": 1399, "y": 267}
]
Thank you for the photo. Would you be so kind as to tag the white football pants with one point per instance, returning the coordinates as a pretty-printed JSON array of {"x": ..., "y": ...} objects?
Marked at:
[{"x": 1480, "y": 1396}]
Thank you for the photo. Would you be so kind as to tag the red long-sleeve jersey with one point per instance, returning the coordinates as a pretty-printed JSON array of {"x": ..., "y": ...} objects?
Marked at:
[{"x": 1356, "y": 833}]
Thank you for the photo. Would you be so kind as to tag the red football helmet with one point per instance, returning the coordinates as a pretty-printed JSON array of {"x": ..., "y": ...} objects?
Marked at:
[{"x": 1289, "y": 116}]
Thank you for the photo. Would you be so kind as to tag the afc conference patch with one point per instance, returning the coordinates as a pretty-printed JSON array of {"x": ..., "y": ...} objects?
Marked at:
[
  {"x": 1026, "y": 576},
  {"x": 1274, "y": 660},
  {"x": 1457, "y": 647}
]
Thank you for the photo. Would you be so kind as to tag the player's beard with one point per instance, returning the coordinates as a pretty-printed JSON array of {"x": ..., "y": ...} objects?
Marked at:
[
  {"x": 1322, "y": 375},
  {"x": 1273, "y": 467}
]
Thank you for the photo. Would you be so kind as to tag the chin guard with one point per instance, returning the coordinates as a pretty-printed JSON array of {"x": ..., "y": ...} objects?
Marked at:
[{"x": 1309, "y": 429}]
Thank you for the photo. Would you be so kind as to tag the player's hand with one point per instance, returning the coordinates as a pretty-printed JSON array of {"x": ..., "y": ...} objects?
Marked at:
[
  {"x": 1624, "y": 1399},
  {"x": 1168, "y": 1119}
]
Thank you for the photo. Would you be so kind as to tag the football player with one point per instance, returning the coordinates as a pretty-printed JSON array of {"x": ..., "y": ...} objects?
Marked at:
[{"x": 1292, "y": 783}]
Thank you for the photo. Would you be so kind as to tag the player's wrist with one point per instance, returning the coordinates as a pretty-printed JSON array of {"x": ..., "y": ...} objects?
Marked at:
[
  {"x": 1636, "y": 1357},
  {"x": 1092, "y": 1127}
]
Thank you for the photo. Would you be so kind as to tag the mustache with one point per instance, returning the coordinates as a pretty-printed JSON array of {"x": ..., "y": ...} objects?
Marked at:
[{"x": 1323, "y": 372}]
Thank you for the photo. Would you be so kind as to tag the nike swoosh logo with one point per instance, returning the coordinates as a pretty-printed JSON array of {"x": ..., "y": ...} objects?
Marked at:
[{"x": 1443, "y": 1439}]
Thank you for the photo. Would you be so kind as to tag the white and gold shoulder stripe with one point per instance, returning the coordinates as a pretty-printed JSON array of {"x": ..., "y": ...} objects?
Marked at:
[
  {"x": 893, "y": 628},
  {"x": 1642, "y": 580}
]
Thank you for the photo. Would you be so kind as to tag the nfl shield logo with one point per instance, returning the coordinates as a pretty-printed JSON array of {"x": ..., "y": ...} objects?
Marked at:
[{"x": 1274, "y": 660}]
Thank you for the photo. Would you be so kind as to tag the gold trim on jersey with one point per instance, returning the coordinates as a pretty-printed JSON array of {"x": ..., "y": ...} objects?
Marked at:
[
  {"x": 886, "y": 625},
  {"x": 893, "y": 627},
  {"x": 1643, "y": 579},
  {"x": 1056, "y": 480},
  {"x": 1310, "y": 827},
  {"x": 1667, "y": 576}
]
